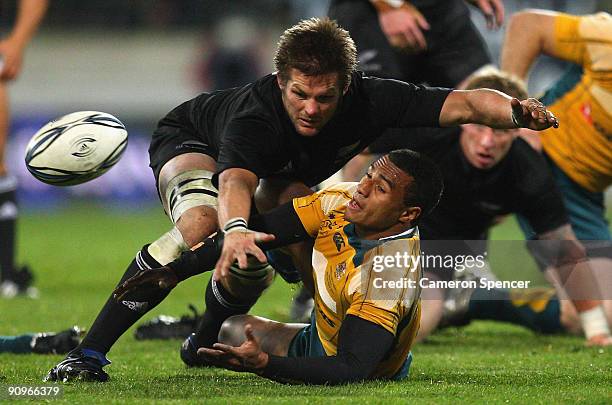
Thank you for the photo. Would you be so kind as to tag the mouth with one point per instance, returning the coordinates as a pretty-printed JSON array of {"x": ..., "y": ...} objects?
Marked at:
[
  {"x": 485, "y": 158},
  {"x": 307, "y": 123},
  {"x": 353, "y": 204}
]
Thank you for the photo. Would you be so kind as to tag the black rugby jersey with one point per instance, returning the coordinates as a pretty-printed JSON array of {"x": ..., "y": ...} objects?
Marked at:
[
  {"x": 248, "y": 127},
  {"x": 520, "y": 183}
]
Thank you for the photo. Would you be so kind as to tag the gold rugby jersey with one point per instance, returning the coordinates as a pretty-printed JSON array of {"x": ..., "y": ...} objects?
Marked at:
[
  {"x": 349, "y": 278},
  {"x": 582, "y": 100}
]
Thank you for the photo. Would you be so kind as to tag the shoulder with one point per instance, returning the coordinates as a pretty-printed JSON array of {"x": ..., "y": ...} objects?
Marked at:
[
  {"x": 330, "y": 198},
  {"x": 531, "y": 173}
]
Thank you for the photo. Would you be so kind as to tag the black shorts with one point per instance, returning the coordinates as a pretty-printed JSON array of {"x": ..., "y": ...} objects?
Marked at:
[
  {"x": 455, "y": 48},
  {"x": 174, "y": 137}
]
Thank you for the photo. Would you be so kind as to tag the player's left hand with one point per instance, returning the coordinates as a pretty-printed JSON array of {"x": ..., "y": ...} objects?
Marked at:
[
  {"x": 532, "y": 114},
  {"x": 146, "y": 282},
  {"x": 599, "y": 340},
  {"x": 236, "y": 247},
  {"x": 492, "y": 10},
  {"x": 12, "y": 58},
  {"x": 246, "y": 357}
]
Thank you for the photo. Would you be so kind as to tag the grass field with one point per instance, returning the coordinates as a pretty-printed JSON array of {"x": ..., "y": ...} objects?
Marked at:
[{"x": 78, "y": 256}]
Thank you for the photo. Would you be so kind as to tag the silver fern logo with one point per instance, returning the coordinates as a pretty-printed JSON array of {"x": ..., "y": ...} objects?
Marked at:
[{"x": 83, "y": 147}]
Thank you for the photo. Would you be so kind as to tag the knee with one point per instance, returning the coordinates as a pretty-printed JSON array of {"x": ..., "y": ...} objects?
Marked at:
[
  {"x": 251, "y": 282},
  {"x": 232, "y": 330},
  {"x": 197, "y": 223}
]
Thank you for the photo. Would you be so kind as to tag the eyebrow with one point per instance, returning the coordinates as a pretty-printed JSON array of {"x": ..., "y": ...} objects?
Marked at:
[{"x": 389, "y": 182}]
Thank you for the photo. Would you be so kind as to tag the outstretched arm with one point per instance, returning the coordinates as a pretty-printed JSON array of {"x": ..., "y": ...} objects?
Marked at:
[
  {"x": 361, "y": 347},
  {"x": 494, "y": 109}
]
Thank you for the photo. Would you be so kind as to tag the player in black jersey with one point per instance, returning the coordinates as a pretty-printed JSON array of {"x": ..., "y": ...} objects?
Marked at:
[
  {"x": 293, "y": 128},
  {"x": 431, "y": 41},
  {"x": 487, "y": 174}
]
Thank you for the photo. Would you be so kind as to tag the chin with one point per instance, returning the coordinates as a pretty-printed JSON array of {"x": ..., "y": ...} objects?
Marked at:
[{"x": 308, "y": 131}]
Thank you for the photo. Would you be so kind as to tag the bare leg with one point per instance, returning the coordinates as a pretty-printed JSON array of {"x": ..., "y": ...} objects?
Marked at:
[
  {"x": 274, "y": 337},
  {"x": 432, "y": 305}
]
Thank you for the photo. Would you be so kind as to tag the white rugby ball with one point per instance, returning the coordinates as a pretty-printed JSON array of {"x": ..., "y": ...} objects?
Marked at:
[{"x": 76, "y": 148}]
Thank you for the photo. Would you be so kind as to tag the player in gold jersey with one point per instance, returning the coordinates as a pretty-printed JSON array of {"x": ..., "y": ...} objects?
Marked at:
[
  {"x": 580, "y": 152},
  {"x": 366, "y": 280}
]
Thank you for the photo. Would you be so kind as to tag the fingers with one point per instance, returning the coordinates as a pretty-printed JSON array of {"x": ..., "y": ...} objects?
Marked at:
[
  {"x": 421, "y": 21},
  {"x": 499, "y": 12},
  {"x": 487, "y": 12},
  {"x": 415, "y": 37},
  {"x": 263, "y": 237},
  {"x": 248, "y": 332}
]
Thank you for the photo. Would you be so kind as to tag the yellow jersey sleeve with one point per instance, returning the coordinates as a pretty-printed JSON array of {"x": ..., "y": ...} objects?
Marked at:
[
  {"x": 578, "y": 38},
  {"x": 313, "y": 209},
  {"x": 382, "y": 292}
]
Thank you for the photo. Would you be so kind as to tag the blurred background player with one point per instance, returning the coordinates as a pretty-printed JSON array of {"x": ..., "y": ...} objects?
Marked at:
[
  {"x": 41, "y": 343},
  {"x": 13, "y": 280},
  {"x": 580, "y": 155},
  {"x": 430, "y": 41}
]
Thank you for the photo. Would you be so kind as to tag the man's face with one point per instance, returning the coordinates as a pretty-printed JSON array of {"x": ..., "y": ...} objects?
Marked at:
[
  {"x": 485, "y": 147},
  {"x": 310, "y": 101},
  {"x": 378, "y": 202}
]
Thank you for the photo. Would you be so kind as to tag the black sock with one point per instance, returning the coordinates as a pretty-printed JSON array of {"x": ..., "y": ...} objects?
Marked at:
[
  {"x": 117, "y": 317},
  {"x": 8, "y": 221},
  {"x": 535, "y": 309},
  {"x": 220, "y": 305}
]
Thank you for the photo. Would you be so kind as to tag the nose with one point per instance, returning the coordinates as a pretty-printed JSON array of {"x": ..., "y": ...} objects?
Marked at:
[
  {"x": 487, "y": 140},
  {"x": 364, "y": 187},
  {"x": 311, "y": 107}
]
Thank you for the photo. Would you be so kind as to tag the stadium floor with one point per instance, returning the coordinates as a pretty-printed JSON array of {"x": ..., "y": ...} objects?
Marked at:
[{"x": 79, "y": 254}]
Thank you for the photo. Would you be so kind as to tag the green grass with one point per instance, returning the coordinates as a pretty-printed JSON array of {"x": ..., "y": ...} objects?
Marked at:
[{"x": 79, "y": 254}]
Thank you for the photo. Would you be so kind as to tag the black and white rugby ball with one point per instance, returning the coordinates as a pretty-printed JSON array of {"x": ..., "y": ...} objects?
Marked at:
[{"x": 76, "y": 148}]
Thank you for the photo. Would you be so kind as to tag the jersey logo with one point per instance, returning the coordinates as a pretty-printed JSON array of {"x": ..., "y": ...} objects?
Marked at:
[
  {"x": 585, "y": 109},
  {"x": 340, "y": 269},
  {"x": 338, "y": 241}
]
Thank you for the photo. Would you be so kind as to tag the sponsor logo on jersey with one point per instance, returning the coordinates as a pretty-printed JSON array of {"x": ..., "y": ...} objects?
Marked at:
[
  {"x": 340, "y": 269},
  {"x": 338, "y": 241},
  {"x": 585, "y": 109}
]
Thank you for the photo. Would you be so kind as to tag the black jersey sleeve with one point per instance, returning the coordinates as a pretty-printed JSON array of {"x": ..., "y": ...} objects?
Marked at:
[
  {"x": 397, "y": 104},
  {"x": 249, "y": 144},
  {"x": 361, "y": 347},
  {"x": 539, "y": 199}
]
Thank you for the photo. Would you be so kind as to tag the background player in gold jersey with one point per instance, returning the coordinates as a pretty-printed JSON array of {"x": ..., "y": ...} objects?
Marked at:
[
  {"x": 364, "y": 322},
  {"x": 580, "y": 153}
]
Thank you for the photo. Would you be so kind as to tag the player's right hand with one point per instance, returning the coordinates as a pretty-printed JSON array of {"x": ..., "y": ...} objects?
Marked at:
[
  {"x": 145, "y": 283},
  {"x": 236, "y": 247},
  {"x": 404, "y": 27}
]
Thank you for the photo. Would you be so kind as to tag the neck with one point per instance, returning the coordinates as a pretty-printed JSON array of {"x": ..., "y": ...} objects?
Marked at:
[{"x": 375, "y": 234}]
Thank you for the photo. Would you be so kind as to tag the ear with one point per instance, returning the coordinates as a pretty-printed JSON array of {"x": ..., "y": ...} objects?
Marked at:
[
  {"x": 346, "y": 87},
  {"x": 410, "y": 215},
  {"x": 280, "y": 81}
]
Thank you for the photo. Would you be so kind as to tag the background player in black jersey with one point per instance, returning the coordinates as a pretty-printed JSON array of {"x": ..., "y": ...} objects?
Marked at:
[
  {"x": 432, "y": 41},
  {"x": 489, "y": 173},
  {"x": 293, "y": 129}
]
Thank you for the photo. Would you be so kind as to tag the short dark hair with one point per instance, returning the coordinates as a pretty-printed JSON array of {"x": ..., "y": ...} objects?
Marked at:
[
  {"x": 427, "y": 184},
  {"x": 314, "y": 47},
  {"x": 492, "y": 78}
]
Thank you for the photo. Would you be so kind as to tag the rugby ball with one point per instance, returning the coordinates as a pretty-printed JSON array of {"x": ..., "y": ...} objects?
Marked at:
[{"x": 76, "y": 148}]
